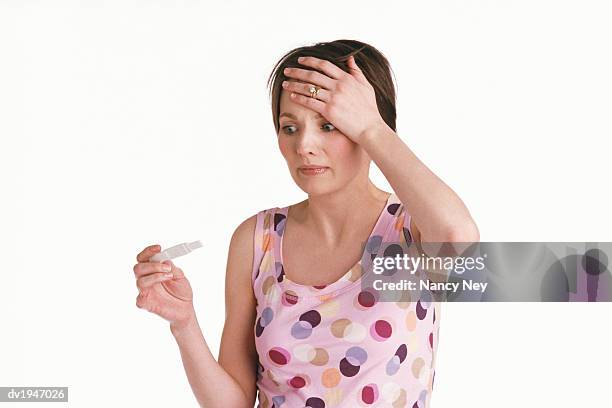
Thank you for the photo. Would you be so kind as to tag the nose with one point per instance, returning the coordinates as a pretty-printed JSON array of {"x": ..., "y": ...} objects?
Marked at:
[{"x": 308, "y": 142}]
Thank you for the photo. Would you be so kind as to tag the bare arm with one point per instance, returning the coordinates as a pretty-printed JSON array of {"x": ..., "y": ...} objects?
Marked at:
[
  {"x": 231, "y": 381},
  {"x": 437, "y": 212}
]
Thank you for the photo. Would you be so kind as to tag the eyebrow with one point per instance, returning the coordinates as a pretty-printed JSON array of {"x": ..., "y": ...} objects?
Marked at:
[{"x": 292, "y": 116}]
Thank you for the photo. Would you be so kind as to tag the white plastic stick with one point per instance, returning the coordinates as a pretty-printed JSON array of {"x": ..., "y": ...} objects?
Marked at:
[{"x": 176, "y": 251}]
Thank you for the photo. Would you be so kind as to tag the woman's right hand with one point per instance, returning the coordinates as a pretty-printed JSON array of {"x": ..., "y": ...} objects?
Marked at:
[{"x": 163, "y": 288}]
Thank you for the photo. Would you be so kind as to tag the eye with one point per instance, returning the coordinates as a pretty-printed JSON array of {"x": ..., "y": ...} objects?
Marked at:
[
  {"x": 288, "y": 129},
  {"x": 331, "y": 127}
]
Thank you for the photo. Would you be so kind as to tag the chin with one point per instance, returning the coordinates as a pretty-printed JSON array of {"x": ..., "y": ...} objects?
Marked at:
[{"x": 314, "y": 187}]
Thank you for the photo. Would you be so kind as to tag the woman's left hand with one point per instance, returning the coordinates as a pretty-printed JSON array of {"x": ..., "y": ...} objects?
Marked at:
[{"x": 347, "y": 100}]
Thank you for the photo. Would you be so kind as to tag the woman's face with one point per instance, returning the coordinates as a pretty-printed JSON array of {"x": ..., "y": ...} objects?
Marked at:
[{"x": 306, "y": 138}]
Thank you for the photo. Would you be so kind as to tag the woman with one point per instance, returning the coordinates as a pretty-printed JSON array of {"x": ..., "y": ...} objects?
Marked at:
[{"x": 300, "y": 328}]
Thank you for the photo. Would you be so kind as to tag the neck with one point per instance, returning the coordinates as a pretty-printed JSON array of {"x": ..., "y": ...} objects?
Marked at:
[{"x": 334, "y": 215}]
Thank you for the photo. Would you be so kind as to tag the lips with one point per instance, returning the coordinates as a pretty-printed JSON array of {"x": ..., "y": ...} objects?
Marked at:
[
  {"x": 313, "y": 167},
  {"x": 312, "y": 170}
]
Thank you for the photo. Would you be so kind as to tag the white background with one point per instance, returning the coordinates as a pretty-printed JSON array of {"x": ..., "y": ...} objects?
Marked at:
[{"x": 128, "y": 123}]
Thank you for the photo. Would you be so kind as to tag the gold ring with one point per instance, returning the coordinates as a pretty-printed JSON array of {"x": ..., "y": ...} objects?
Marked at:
[{"x": 314, "y": 91}]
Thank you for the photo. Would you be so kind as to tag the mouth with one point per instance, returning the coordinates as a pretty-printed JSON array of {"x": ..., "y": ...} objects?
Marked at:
[{"x": 312, "y": 170}]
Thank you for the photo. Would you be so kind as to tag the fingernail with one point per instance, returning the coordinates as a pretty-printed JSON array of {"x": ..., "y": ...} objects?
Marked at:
[
  {"x": 166, "y": 268},
  {"x": 167, "y": 275},
  {"x": 300, "y": 59},
  {"x": 285, "y": 83}
]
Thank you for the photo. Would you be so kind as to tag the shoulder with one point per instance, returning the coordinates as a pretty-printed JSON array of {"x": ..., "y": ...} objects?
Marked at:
[
  {"x": 244, "y": 231},
  {"x": 244, "y": 235}
]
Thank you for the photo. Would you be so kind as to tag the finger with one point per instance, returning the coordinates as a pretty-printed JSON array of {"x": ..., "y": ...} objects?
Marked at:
[
  {"x": 310, "y": 76},
  {"x": 142, "y": 300},
  {"x": 147, "y": 268},
  {"x": 358, "y": 73},
  {"x": 150, "y": 280},
  {"x": 322, "y": 65},
  {"x": 176, "y": 271},
  {"x": 304, "y": 89},
  {"x": 147, "y": 253},
  {"x": 311, "y": 103}
]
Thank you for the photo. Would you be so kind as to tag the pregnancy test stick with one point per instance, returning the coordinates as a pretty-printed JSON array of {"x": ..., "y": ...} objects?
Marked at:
[{"x": 176, "y": 251}]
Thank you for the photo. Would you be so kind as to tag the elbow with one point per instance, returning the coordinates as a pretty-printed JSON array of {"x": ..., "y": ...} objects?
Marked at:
[{"x": 465, "y": 233}]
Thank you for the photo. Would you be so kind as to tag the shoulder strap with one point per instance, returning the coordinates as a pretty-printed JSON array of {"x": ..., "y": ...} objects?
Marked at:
[
  {"x": 258, "y": 244},
  {"x": 264, "y": 241}
]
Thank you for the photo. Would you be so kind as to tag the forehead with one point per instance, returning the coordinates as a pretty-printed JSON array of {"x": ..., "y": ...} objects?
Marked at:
[{"x": 293, "y": 110}]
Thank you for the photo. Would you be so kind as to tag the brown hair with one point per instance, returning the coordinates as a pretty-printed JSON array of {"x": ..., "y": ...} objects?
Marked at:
[{"x": 372, "y": 62}]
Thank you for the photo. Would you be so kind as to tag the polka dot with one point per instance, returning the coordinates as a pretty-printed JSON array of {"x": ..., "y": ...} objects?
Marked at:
[
  {"x": 321, "y": 357},
  {"x": 258, "y": 328},
  {"x": 333, "y": 397},
  {"x": 301, "y": 330},
  {"x": 404, "y": 300},
  {"x": 421, "y": 312},
  {"x": 274, "y": 380},
  {"x": 411, "y": 320},
  {"x": 304, "y": 352},
  {"x": 308, "y": 354},
  {"x": 315, "y": 402},
  {"x": 423, "y": 398},
  {"x": 279, "y": 223},
  {"x": 280, "y": 272},
  {"x": 392, "y": 208},
  {"x": 264, "y": 399},
  {"x": 431, "y": 340},
  {"x": 329, "y": 309},
  {"x": 330, "y": 377},
  {"x": 369, "y": 394},
  {"x": 278, "y": 401},
  {"x": 393, "y": 366},
  {"x": 339, "y": 326},
  {"x": 279, "y": 356},
  {"x": 266, "y": 243},
  {"x": 356, "y": 355},
  {"x": 412, "y": 343},
  {"x": 407, "y": 235},
  {"x": 267, "y": 285},
  {"x": 373, "y": 244},
  {"x": 347, "y": 330},
  {"x": 365, "y": 299},
  {"x": 391, "y": 392},
  {"x": 347, "y": 369},
  {"x": 417, "y": 366},
  {"x": 299, "y": 381},
  {"x": 355, "y": 333},
  {"x": 381, "y": 330},
  {"x": 266, "y": 316},
  {"x": 424, "y": 375},
  {"x": 266, "y": 262},
  {"x": 270, "y": 289},
  {"x": 289, "y": 298},
  {"x": 312, "y": 316},
  {"x": 401, "y": 352}
]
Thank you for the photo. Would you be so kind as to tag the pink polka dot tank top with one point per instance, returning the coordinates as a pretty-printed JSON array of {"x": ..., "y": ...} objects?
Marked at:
[{"x": 335, "y": 345}]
